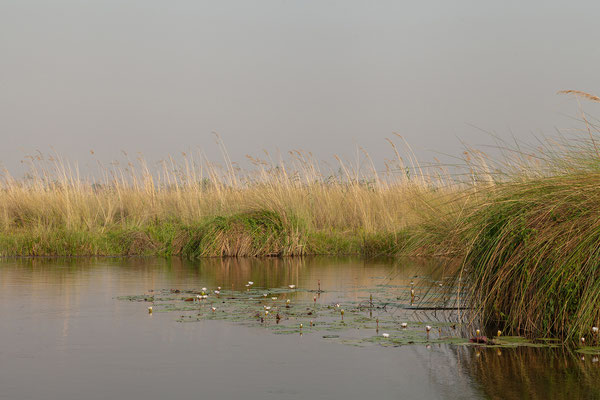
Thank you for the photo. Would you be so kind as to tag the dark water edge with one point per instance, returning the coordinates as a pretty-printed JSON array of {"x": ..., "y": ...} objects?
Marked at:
[{"x": 66, "y": 336}]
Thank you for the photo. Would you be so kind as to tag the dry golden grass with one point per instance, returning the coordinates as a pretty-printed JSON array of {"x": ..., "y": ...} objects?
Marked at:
[
  {"x": 132, "y": 195},
  {"x": 579, "y": 93}
]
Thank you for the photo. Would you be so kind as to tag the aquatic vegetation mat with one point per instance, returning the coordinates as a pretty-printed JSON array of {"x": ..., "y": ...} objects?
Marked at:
[{"x": 385, "y": 315}]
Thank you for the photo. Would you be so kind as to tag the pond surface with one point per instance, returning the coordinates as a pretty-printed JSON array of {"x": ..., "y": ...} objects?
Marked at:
[{"x": 69, "y": 331}]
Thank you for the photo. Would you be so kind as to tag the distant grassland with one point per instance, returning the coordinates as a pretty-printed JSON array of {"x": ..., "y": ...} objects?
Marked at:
[{"x": 526, "y": 226}]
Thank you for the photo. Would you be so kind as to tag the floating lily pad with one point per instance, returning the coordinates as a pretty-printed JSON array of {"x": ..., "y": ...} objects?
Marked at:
[{"x": 365, "y": 316}]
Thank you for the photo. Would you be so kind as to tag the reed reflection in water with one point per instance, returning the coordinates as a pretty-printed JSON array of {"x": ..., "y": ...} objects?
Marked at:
[
  {"x": 63, "y": 315},
  {"x": 532, "y": 373}
]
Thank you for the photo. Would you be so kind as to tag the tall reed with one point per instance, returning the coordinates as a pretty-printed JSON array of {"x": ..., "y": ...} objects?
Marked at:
[{"x": 151, "y": 209}]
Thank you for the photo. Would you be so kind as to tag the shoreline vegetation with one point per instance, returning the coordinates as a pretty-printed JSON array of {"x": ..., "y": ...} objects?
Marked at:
[{"x": 526, "y": 227}]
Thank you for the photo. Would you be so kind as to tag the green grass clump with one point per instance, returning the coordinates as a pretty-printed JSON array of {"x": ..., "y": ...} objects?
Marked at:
[
  {"x": 256, "y": 233},
  {"x": 533, "y": 256}
]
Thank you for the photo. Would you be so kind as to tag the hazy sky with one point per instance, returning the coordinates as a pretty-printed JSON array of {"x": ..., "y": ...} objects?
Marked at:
[{"x": 159, "y": 76}]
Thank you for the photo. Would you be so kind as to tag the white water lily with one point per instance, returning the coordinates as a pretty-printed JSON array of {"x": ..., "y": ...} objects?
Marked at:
[
  {"x": 337, "y": 305},
  {"x": 205, "y": 296},
  {"x": 217, "y": 292},
  {"x": 266, "y": 312},
  {"x": 218, "y": 287},
  {"x": 428, "y": 328},
  {"x": 265, "y": 294},
  {"x": 250, "y": 283},
  {"x": 404, "y": 324},
  {"x": 386, "y": 335},
  {"x": 213, "y": 309},
  {"x": 273, "y": 298},
  {"x": 267, "y": 307},
  {"x": 292, "y": 286},
  {"x": 595, "y": 329},
  {"x": 582, "y": 340},
  {"x": 288, "y": 301},
  {"x": 204, "y": 289},
  {"x": 198, "y": 297}
]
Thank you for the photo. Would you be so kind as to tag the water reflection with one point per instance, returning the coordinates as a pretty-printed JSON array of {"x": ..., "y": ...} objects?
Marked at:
[
  {"x": 63, "y": 315},
  {"x": 534, "y": 373},
  {"x": 68, "y": 276}
]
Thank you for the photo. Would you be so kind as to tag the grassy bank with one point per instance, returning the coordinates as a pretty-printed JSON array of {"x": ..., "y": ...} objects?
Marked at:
[
  {"x": 247, "y": 234},
  {"x": 195, "y": 208}
]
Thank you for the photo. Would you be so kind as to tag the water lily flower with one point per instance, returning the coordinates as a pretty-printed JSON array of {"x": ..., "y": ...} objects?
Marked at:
[
  {"x": 404, "y": 324},
  {"x": 288, "y": 301},
  {"x": 595, "y": 329},
  {"x": 292, "y": 286},
  {"x": 149, "y": 310},
  {"x": 499, "y": 333},
  {"x": 250, "y": 283},
  {"x": 273, "y": 298},
  {"x": 266, "y": 312},
  {"x": 265, "y": 294},
  {"x": 217, "y": 292},
  {"x": 247, "y": 285},
  {"x": 337, "y": 305},
  {"x": 595, "y": 359},
  {"x": 301, "y": 326},
  {"x": 477, "y": 332},
  {"x": 205, "y": 296},
  {"x": 428, "y": 328},
  {"x": 386, "y": 335},
  {"x": 198, "y": 297},
  {"x": 204, "y": 289},
  {"x": 267, "y": 307},
  {"x": 213, "y": 309},
  {"x": 582, "y": 340},
  {"x": 218, "y": 287}
]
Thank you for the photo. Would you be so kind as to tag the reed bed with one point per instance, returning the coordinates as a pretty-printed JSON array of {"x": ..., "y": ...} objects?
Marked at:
[{"x": 195, "y": 207}]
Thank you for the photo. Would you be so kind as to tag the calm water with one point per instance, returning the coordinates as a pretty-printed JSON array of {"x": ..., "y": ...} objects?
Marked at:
[{"x": 64, "y": 335}]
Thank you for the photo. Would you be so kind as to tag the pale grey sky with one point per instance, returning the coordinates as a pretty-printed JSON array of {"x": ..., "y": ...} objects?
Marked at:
[{"x": 158, "y": 76}]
